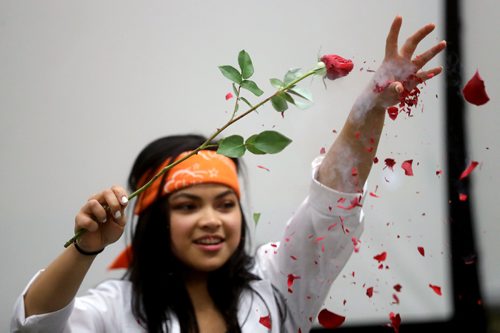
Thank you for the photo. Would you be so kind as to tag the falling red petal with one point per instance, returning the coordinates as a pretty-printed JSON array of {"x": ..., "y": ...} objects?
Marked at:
[
  {"x": 462, "y": 196},
  {"x": 265, "y": 321},
  {"x": 374, "y": 195},
  {"x": 381, "y": 257},
  {"x": 369, "y": 292},
  {"x": 436, "y": 289},
  {"x": 291, "y": 279},
  {"x": 438, "y": 172},
  {"x": 469, "y": 169},
  {"x": 407, "y": 167},
  {"x": 229, "y": 96},
  {"x": 329, "y": 319},
  {"x": 395, "y": 298},
  {"x": 392, "y": 111},
  {"x": 390, "y": 162},
  {"x": 356, "y": 243},
  {"x": 395, "y": 321},
  {"x": 397, "y": 287},
  {"x": 475, "y": 91},
  {"x": 421, "y": 250}
]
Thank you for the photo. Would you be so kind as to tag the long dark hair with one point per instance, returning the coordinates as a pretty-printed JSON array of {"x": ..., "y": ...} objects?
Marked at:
[{"x": 155, "y": 272}]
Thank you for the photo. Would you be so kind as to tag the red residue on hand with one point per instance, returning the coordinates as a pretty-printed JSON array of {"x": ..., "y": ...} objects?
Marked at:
[
  {"x": 421, "y": 251},
  {"x": 474, "y": 90},
  {"x": 469, "y": 169},
  {"x": 392, "y": 111},
  {"x": 229, "y": 96},
  {"x": 329, "y": 319},
  {"x": 356, "y": 243},
  {"x": 436, "y": 289},
  {"x": 354, "y": 171},
  {"x": 406, "y": 165},
  {"x": 369, "y": 292},
  {"x": 389, "y": 163},
  {"x": 266, "y": 321},
  {"x": 336, "y": 66},
  {"x": 381, "y": 257},
  {"x": 395, "y": 321},
  {"x": 291, "y": 279}
]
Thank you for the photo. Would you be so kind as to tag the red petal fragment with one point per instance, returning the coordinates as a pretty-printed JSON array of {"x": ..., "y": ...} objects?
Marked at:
[
  {"x": 263, "y": 167},
  {"x": 395, "y": 298},
  {"x": 397, "y": 287},
  {"x": 390, "y": 162},
  {"x": 466, "y": 172},
  {"x": 421, "y": 250},
  {"x": 266, "y": 321},
  {"x": 438, "y": 172},
  {"x": 291, "y": 279},
  {"x": 381, "y": 257},
  {"x": 229, "y": 96},
  {"x": 392, "y": 111},
  {"x": 336, "y": 66},
  {"x": 395, "y": 321},
  {"x": 369, "y": 292},
  {"x": 436, "y": 289},
  {"x": 462, "y": 196},
  {"x": 374, "y": 195},
  {"x": 407, "y": 167},
  {"x": 329, "y": 319},
  {"x": 475, "y": 91},
  {"x": 375, "y": 160}
]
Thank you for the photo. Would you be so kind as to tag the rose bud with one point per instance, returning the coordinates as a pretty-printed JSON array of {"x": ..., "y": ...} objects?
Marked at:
[
  {"x": 475, "y": 91},
  {"x": 336, "y": 66}
]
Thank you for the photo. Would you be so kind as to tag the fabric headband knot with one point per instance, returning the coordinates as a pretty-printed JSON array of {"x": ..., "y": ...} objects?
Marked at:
[{"x": 207, "y": 166}]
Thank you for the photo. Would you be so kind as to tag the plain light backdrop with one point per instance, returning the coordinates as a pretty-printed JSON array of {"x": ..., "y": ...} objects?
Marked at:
[{"x": 85, "y": 85}]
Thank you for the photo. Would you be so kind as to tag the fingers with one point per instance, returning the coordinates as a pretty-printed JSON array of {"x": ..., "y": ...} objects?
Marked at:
[
  {"x": 429, "y": 74},
  {"x": 412, "y": 42},
  {"x": 425, "y": 57},
  {"x": 391, "y": 44},
  {"x": 102, "y": 207}
]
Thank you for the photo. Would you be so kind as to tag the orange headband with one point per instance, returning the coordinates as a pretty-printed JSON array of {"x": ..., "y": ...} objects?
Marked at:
[{"x": 204, "y": 167}]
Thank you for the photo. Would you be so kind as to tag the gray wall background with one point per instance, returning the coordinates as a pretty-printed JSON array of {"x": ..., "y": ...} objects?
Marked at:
[{"x": 85, "y": 85}]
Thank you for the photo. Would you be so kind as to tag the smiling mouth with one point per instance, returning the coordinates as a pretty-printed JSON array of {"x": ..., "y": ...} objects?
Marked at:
[{"x": 209, "y": 241}]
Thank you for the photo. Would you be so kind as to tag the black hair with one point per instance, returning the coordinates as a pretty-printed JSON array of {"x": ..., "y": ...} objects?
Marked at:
[{"x": 158, "y": 289}]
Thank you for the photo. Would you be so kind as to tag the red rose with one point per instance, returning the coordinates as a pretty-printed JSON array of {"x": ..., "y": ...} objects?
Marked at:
[{"x": 336, "y": 66}]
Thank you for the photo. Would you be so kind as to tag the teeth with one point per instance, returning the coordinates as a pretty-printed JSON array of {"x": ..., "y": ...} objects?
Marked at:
[{"x": 209, "y": 241}]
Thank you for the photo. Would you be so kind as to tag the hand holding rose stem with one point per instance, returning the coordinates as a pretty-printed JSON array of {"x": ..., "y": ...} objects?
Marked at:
[{"x": 233, "y": 146}]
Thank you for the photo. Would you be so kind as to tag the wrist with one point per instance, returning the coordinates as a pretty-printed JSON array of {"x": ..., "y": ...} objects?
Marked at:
[{"x": 85, "y": 252}]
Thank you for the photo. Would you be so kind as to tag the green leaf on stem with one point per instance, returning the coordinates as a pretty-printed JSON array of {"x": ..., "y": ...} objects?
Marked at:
[
  {"x": 231, "y": 73},
  {"x": 291, "y": 75},
  {"x": 246, "y": 101},
  {"x": 288, "y": 98},
  {"x": 271, "y": 142},
  {"x": 235, "y": 90},
  {"x": 252, "y": 87},
  {"x": 302, "y": 92},
  {"x": 245, "y": 63},
  {"x": 256, "y": 218},
  {"x": 279, "y": 102},
  {"x": 276, "y": 83},
  {"x": 250, "y": 146},
  {"x": 232, "y": 146}
]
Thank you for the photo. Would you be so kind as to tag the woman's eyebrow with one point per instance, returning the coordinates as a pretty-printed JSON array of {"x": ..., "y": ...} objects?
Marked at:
[{"x": 197, "y": 197}]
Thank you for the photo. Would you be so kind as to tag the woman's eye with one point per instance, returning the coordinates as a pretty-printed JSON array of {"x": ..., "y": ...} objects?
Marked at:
[
  {"x": 184, "y": 207},
  {"x": 227, "y": 205}
]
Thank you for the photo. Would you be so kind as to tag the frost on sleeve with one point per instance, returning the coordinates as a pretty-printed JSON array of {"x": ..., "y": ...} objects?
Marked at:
[{"x": 316, "y": 245}]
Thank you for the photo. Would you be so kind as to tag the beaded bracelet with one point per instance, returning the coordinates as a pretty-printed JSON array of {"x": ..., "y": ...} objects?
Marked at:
[{"x": 86, "y": 253}]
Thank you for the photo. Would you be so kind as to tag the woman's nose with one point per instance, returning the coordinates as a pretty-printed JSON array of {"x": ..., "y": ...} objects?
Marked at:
[{"x": 210, "y": 219}]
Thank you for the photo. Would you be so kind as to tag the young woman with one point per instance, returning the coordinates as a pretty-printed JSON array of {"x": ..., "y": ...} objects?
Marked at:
[{"x": 187, "y": 267}]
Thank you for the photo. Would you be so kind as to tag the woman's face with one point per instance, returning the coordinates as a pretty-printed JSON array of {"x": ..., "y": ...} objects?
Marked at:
[{"x": 205, "y": 225}]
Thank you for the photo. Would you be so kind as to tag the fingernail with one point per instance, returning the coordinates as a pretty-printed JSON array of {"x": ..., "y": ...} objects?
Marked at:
[
  {"x": 117, "y": 215},
  {"x": 104, "y": 220},
  {"x": 124, "y": 200}
]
